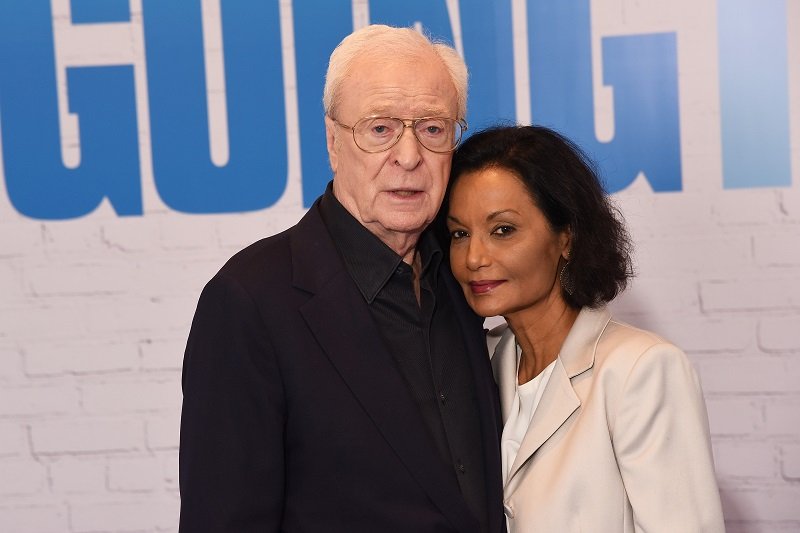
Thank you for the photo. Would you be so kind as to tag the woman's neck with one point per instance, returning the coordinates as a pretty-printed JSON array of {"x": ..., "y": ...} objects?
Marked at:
[{"x": 540, "y": 333}]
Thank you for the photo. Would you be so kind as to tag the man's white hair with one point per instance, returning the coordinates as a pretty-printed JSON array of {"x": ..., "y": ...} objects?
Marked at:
[{"x": 378, "y": 40}]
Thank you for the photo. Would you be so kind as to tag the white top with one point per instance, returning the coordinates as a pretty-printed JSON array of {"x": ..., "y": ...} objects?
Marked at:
[{"x": 526, "y": 398}]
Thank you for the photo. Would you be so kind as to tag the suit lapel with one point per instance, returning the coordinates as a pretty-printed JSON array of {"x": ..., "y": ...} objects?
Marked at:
[
  {"x": 559, "y": 399},
  {"x": 558, "y": 402},
  {"x": 339, "y": 319},
  {"x": 504, "y": 365}
]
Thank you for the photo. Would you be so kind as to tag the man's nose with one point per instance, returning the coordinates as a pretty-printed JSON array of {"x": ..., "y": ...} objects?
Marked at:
[{"x": 408, "y": 150}]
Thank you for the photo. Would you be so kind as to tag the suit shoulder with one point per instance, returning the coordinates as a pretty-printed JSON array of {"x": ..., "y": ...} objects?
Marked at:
[
  {"x": 625, "y": 332},
  {"x": 266, "y": 249},
  {"x": 264, "y": 261},
  {"x": 625, "y": 345},
  {"x": 632, "y": 362}
]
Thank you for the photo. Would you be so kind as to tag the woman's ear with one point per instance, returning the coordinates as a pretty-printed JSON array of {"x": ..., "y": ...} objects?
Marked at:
[{"x": 566, "y": 243}]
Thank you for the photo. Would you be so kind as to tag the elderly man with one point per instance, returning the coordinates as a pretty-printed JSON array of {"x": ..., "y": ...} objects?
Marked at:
[{"x": 334, "y": 379}]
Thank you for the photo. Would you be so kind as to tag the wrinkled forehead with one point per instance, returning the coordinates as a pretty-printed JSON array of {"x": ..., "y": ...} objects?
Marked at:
[{"x": 406, "y": 86}]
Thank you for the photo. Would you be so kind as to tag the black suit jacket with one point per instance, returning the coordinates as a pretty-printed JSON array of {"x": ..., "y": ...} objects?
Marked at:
[{"x": 295, "y": 417}]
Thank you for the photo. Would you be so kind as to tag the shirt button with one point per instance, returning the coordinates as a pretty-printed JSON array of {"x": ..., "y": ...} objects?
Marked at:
[
  {"x": 461, "y": 468},
  {"x": 509, "y": 511},
  {"x": 442, "y": 397}
]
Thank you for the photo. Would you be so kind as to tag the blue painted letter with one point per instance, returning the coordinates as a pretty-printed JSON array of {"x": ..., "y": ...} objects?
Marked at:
[
  {"x": 255, "y": 175},
  {"x": 318, "y": 28},
  {"x": 754, "y": 93},
  {"x": 38, "y": 184},
  {"x": 642, "y": 70},
  {"x": 489, "y": 53}
]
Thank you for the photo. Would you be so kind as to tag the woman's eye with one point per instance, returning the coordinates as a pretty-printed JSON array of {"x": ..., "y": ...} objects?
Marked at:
[
  {"x": 458, "y": 234},
  {"x": 504, "y": 230}
]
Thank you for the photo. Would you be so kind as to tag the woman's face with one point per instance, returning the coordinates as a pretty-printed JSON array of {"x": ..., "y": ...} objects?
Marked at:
[{"x": 502, "y": 249}]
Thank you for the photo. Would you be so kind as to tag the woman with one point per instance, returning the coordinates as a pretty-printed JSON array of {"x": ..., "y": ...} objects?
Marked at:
[{"x": 605, "y": 428}]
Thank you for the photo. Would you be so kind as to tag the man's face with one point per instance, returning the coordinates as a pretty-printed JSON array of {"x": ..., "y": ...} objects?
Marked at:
[{"x": 400, "y": 190}]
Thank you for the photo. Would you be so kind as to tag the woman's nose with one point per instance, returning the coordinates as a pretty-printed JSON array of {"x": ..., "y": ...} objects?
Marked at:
[{"x": 476, "y": 254}]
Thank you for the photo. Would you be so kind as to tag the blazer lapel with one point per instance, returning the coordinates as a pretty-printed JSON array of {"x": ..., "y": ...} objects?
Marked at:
[
  {"x": 339, "y": 319},
  {"x": 559, "y": 399},
  {"x": 504, "y": 365},
  {"x": 558, "y": 402}
]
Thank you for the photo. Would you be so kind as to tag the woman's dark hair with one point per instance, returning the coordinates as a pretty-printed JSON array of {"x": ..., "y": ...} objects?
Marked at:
[{"x": 563, "y": 183}]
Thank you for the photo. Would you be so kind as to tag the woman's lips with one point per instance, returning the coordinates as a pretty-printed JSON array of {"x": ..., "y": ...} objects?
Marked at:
[{"x": 482, "y": 287}]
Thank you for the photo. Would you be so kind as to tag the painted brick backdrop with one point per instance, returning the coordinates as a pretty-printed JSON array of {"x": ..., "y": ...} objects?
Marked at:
[{"x": 95, "y": 311}]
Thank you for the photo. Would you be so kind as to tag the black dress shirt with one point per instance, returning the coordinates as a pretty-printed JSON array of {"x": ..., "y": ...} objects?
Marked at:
[{"x": 424, "y": 339}]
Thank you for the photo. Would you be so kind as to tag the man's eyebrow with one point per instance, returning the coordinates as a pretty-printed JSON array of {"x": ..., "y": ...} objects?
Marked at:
[{"x": 383, "y": 111}]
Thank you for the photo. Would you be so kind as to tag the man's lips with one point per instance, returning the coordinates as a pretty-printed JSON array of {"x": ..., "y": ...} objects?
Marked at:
[
  {"x": 405, "y": 193},
  {"x": 485, "y": 286}
]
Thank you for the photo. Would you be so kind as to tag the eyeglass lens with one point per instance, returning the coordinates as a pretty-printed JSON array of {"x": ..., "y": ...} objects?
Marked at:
[{"x": 435, "y": 134}]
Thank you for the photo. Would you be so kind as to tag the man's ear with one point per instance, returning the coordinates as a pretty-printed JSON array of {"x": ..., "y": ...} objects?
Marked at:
[{"x": 330, "y": 139}]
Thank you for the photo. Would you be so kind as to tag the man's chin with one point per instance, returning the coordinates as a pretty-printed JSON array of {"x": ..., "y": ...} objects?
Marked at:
[{"x": 405, "y": 226}]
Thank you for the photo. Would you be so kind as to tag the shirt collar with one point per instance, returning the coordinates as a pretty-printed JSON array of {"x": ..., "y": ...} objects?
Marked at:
[{"x": 369, "y": 261}]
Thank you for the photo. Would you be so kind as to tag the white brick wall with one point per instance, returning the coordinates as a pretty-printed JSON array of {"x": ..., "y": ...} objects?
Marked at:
[
  {"x": 95, "y": 311},
  {"x": 790, "y": 462},
  {"x": 26, "y": 518},
  {"x": 75, "y": 475}
]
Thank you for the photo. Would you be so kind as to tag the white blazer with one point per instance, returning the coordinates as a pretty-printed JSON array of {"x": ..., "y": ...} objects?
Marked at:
[{"x": 619, "y": 441}]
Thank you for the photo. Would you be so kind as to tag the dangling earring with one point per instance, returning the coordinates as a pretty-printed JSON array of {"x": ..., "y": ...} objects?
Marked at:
[{"x": 566, "y": 283}]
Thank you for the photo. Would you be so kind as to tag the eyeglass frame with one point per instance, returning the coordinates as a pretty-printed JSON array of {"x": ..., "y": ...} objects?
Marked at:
[{"x": 407, "y": 123}]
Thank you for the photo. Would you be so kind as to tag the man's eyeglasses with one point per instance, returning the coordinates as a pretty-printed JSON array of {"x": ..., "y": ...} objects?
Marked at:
[{"x": 378, "y": 134}]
